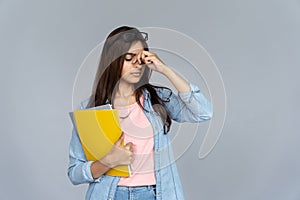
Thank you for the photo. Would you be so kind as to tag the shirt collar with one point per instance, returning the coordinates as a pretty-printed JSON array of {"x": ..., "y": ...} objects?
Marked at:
[{"x": 146, "y": 94}]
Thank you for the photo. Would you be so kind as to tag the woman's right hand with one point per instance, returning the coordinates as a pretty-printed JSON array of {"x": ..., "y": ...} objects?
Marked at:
[{"x": 119, "y": 155}]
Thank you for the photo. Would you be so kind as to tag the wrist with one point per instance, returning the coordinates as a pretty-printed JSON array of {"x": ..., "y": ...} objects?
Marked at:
[
  {"x": 98, "y": 168},
  {"x": 107, "y": 160}
]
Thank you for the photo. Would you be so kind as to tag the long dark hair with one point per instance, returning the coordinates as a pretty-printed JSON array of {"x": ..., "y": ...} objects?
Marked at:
[{"x": 117, "y": 43}]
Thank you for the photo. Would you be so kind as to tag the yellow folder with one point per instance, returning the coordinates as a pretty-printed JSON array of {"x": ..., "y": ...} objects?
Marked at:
[{"x": 98, "y": 130}]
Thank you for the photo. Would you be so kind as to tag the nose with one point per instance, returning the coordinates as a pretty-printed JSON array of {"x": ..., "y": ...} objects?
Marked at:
[{"x": 136, "y": 64}]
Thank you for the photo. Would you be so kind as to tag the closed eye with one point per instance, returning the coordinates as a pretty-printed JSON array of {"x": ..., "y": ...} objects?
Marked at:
[{"x": 129, "y": 56}]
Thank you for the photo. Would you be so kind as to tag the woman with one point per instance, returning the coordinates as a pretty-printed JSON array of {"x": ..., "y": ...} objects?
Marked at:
[{"x": 145, "y": 112}]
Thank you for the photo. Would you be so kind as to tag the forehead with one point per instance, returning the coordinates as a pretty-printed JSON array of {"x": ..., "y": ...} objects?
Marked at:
[{"x": 136, "y": 47}]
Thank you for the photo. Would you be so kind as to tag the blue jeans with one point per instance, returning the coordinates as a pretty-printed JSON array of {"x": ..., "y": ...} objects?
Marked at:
[{"x": 135, "y": 193}]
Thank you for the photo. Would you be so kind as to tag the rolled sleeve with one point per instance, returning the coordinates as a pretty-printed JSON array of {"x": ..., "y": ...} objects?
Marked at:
[
  {"x": 79, "y": 170},
  {"x": 87, "y": 171},
  {"x": 189, "y": 106},
  {"x": 88, "y": 174},
  {"x": 187, "y": 96}
]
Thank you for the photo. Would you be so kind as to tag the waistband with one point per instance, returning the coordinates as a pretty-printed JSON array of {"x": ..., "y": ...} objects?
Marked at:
[{"x": 149, "y": 187}]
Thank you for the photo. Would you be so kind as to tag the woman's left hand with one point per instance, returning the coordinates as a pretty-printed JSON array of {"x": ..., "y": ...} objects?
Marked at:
[{"x": 152, "y": 61}]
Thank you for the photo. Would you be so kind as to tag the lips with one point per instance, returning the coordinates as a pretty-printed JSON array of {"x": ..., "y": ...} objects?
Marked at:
[{"x": 136, "y": 73}]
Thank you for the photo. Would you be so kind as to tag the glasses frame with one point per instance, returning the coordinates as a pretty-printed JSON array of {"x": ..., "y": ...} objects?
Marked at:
[
  {"x": 133, "y": 37},
  {"x": 145, "y": 35}
]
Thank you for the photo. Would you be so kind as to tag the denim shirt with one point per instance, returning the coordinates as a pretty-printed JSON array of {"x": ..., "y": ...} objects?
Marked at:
[{"x": 190, "y": 106}]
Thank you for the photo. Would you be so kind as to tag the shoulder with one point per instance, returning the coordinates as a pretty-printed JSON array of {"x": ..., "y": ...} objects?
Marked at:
[{"x": 83, "y": 104}]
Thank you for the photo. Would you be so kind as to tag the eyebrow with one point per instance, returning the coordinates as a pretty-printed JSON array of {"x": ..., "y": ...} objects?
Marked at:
[{"x": 129, "y": 53}]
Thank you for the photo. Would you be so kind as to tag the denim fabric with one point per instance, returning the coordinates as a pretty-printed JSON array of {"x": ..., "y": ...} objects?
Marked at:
[
  {"x": 135, "y": 193},
  {"x": 190, "y": 106}
]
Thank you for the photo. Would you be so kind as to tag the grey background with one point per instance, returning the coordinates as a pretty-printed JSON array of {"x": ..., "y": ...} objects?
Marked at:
[{"x": 254, "y": 43}]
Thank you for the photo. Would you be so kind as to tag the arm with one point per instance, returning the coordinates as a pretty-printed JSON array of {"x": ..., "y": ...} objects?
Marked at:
[
  {"x": 189, "y": 105},
  {"x": 79, "y": 169},
  {"x": 179, "y": 83},
  {"x": 82, "y": 171}
]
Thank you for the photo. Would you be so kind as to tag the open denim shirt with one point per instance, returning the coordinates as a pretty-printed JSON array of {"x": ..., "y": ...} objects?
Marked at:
[{"x": 190, "y": 106}]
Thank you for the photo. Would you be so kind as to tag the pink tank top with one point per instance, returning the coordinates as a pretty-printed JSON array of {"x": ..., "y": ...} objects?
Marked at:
[{"x": 138, "y": 130}]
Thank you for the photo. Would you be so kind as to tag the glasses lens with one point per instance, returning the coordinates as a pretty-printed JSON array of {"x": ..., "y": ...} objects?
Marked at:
[
  {"x": 129, "y": 37},
  {"x": 145, "y": 35}
]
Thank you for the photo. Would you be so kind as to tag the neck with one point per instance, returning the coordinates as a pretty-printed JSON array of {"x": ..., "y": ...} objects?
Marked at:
[{"x": 125, "y": 90}]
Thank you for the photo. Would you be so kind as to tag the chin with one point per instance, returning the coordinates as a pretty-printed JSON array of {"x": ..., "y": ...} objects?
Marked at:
[{"x": 135, "y": 82}]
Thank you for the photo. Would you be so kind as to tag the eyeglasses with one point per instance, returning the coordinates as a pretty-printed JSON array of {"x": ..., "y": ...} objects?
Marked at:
[{"x": 129, "y": 37}]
